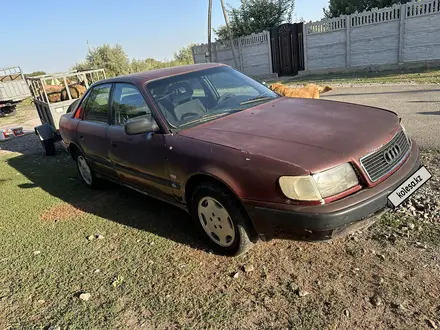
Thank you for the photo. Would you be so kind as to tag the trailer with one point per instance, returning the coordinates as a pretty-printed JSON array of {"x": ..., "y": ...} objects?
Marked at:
[
  {"x": 55, "y": 95},
  {"x": 13, "y": 90}
]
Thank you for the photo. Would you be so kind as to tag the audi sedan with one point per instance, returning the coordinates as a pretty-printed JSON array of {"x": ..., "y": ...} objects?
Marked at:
[{"x": 245, "y": 163}]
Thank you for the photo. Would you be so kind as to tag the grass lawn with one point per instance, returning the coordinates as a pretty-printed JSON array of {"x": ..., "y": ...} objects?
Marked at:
[
  {"x": 403, "y": 76},
  {"x": 151, "y": 270}
]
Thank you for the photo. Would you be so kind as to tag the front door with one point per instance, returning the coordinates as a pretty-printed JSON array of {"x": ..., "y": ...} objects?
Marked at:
[
  {"x": 93, "y": 129},
  {"x": 140, "y": 160}
]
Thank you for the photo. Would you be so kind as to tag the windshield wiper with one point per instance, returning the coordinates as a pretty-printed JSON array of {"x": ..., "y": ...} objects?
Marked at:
[
  {"x": 208, "y": 116},
  {"x": 257, "y": 99},
  {"x": 204, "y": 118}
]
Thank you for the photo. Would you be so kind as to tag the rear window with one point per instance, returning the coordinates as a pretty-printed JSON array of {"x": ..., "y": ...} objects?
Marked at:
[{"x": 96, "y": 105}]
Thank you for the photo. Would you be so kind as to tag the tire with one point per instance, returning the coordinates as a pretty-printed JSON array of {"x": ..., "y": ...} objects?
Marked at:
[
  {"x": 49, "y": 147},
  {"x": 12, "y": 112},
  {"x": 8, "y": 111},
  {"x": 91, "y": 181},
  {"x": 221, "y": 220}
]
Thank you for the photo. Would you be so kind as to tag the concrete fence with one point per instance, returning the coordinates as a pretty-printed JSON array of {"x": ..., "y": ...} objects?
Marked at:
[
  {"x": 394, "y": 35},
  {"x": 408, "y": 33},
  {"x": 253, "y": 52}
]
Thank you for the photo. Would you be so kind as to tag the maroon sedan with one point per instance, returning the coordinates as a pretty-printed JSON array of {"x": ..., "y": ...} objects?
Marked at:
[{"x": 243, "y": 161}]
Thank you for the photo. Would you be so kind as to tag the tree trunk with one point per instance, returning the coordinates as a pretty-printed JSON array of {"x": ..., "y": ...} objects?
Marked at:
[
  {"x": 234, "y": 53},
  {"x": 209, "y": 30}
]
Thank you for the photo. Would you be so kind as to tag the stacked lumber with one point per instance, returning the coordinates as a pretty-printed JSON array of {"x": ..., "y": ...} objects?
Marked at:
[
  {"x": 58, "y": 93},
  {"x": 53, "y": 93},
  {"x": 76, "y": 91}
]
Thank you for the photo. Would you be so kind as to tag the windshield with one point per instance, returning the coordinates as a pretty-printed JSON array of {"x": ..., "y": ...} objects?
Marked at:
[{"x": 196, "y": 97}]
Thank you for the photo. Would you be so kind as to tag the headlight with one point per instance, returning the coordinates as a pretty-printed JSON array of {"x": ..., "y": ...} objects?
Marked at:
[{"x": 320, "y": 185}]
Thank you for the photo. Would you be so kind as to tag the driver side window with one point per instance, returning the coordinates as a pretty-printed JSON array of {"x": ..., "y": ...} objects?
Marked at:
[{"x": 128, "y": 103}]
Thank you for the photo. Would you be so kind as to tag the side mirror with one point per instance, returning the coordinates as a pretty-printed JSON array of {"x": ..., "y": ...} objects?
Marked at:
[{"x": 140, "y": 125}]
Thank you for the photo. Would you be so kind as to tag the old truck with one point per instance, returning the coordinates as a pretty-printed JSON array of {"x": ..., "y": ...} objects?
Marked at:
[
  {"x": 13, "y": 90},
  {"x": 56, "y": 94}
]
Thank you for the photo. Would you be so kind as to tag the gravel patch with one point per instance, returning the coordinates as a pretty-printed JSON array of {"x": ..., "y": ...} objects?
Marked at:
[
  {"x": 425, "y": 203},
  {"x": 26, "y": 144}
]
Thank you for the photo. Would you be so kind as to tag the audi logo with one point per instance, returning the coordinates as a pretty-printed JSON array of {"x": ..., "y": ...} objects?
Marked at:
[{"x": 392, "y": 153}]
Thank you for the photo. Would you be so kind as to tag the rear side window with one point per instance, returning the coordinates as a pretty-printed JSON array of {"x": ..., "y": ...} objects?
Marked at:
[
  {"x": 72, "y": 107},
  {"x": 96, "y": 105},
  {"x": 128, "y": 103}
]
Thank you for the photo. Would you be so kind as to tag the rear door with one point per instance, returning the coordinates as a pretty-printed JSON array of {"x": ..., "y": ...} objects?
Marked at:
[
  {"x": 93, "y": 129},
  {"x": 140, "y": 160}
]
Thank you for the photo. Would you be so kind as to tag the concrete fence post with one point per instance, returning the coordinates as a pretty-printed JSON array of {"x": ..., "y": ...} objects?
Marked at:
[
  {"x": 402, "y": 33},
  {"x": 214, "y": 52},
  {"x": 269, "y": 52},
  {"x": 348, "y": 40},
  {"x": 240, "y": 55},
  {"x": 306, "y": 62},
  {"x": 193, "y": 55}
]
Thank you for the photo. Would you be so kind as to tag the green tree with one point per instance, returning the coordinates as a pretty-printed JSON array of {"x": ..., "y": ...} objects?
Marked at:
[
  {"x": 255, "y": 16},
  {"x": 115, "y": 62},
  {"x": 337, "y": 8},
  {"x": 184, "y": 55},
  {"x": 112, "y": 59},
  {"x": 34, "y": 74}
]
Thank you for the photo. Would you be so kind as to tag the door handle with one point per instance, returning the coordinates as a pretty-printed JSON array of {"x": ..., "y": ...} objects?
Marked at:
[
  {"x": 81, "y": 137},
  {"x": 113, "y": 145}
]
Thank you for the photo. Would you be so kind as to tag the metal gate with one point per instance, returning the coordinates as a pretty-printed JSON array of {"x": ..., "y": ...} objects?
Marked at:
[{"x": 287, "y": 45}]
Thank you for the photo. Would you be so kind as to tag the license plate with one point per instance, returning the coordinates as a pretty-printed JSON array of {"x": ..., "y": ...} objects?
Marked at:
[{"x": 409, "y": 187}]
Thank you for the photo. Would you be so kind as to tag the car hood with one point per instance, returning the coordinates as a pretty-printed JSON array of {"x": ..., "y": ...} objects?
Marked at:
[{"x": 312, "y": 134}]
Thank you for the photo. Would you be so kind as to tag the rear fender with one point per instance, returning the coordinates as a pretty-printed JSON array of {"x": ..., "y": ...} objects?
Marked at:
[{"x": 45, "y": 132}]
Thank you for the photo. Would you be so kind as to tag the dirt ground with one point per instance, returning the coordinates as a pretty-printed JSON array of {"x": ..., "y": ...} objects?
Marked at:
[
  {"x": 155, "y": 272},
  {"x": 26, "y": 116}
]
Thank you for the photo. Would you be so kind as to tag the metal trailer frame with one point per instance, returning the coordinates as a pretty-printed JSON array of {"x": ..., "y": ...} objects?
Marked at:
[
  {"x": 51, "y": 112},
  {"x": 13, "y": 90}
]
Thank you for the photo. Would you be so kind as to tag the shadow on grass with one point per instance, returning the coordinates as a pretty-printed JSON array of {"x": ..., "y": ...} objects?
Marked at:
[{"x": 58, "y": 176}]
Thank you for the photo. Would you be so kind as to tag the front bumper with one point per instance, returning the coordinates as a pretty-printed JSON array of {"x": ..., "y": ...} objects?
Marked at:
[{"x": 321, "y": 222}]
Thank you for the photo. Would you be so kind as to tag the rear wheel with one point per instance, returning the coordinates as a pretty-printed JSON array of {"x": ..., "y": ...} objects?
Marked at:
[
  {"x": 85, "y": 172},
  {"x": 221, "y": 220}
]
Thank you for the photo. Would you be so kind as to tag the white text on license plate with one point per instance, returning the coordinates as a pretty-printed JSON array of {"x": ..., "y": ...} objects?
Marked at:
[{"x": 410, "y": 186}]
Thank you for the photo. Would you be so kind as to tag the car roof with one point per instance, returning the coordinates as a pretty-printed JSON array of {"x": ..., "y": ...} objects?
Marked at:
[{"x": 162, "y": 73}]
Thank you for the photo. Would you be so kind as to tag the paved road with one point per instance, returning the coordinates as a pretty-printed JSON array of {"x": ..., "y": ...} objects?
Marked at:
[{"x": 419, "y": 107}]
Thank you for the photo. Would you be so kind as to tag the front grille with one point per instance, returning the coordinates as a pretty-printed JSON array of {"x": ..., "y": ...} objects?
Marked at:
[{"x": 380, "y": 162}]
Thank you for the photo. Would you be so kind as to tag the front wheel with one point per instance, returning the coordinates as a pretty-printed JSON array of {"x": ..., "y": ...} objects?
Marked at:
[{"x": 221, "y": 220}]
